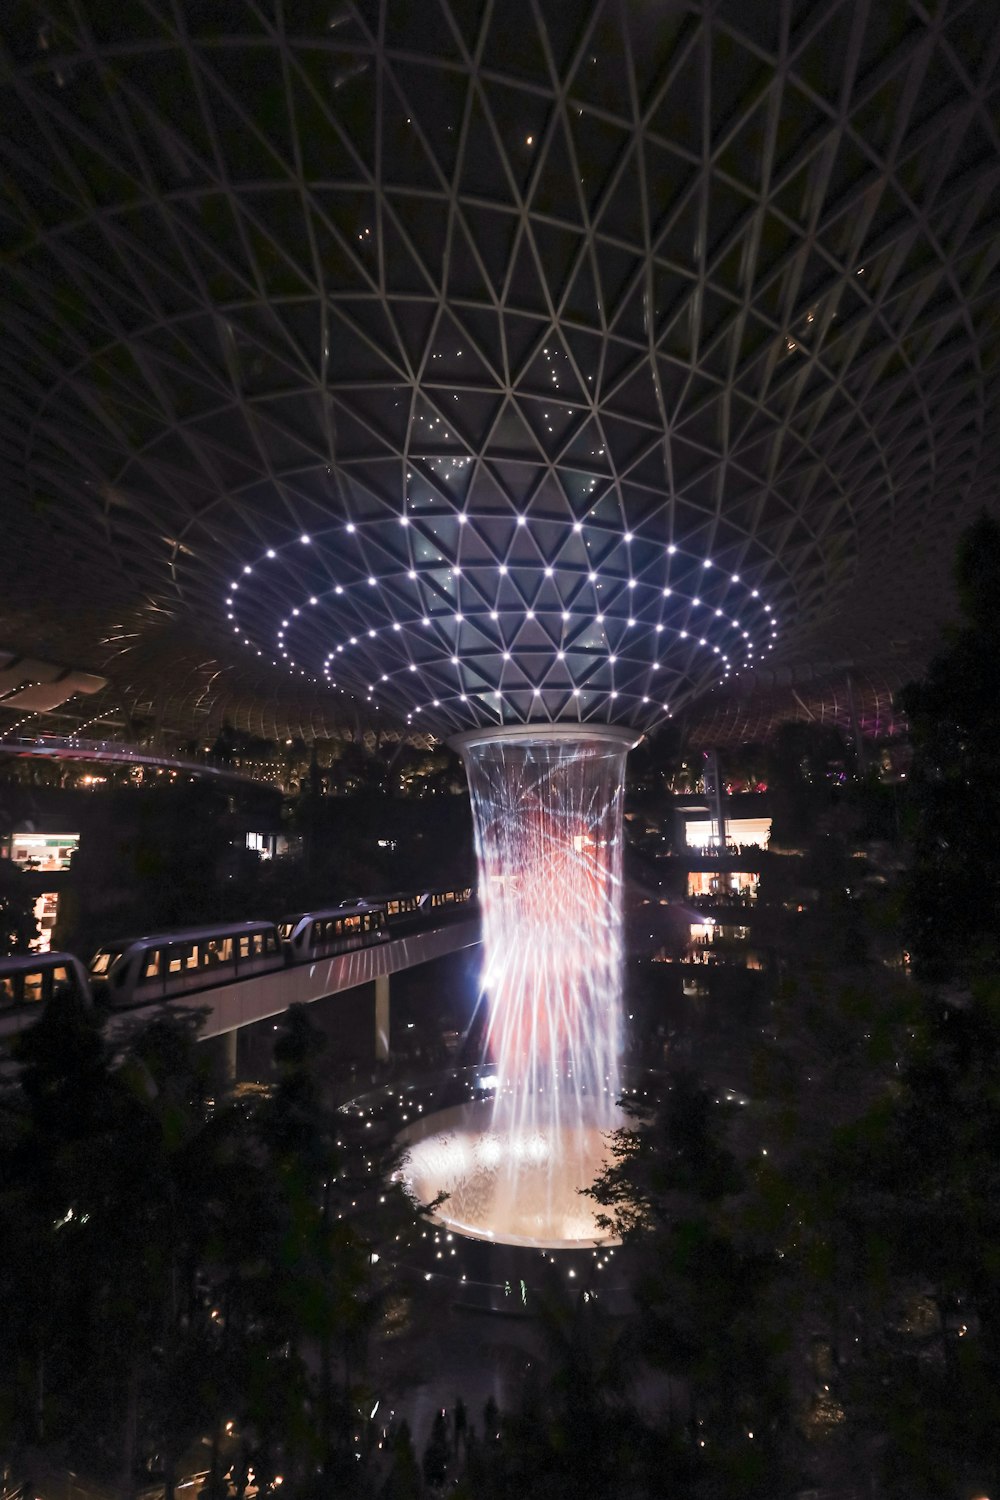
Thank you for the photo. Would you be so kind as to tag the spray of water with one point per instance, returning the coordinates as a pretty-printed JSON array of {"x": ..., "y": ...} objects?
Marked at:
[
  {"x": 547, "y": 807},
  {"x": 548, "y": 824}
]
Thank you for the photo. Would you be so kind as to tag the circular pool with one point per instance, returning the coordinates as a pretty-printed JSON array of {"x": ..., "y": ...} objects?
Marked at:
[{"x": 512, "y": 1176}]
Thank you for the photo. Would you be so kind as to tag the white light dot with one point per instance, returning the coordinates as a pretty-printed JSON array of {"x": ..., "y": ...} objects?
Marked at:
[
  {"x": 351, "y": 526},
  {"x": 502, "y": 568},
  {"x": 404, "y": 520},
  {"x": 627, "y": 537},
  {"x": 305, "y": 540},
  {"x": 247, "y": 568},
  {"x": 671, "y": 549},
  {"x": 548, "y": 572},
  {"x": 271, "y": 552},
  {"x": 521, "y": 521},
  {"x": 577, "y": 525},
  {"x": 372, "y": 582}
]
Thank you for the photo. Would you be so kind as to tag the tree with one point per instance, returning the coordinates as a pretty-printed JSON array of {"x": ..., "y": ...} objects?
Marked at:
[
  {"x": 710, "y": 1288},
  {"x": 952, "y": 897},
  {"x": 18, "y": 925}
]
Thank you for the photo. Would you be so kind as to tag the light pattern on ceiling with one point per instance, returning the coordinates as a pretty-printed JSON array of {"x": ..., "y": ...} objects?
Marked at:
[{"x": 526, "y": 323}]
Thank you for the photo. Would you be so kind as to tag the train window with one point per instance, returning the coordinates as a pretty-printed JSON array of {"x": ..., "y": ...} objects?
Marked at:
[
  {"x": 152, "y": 969},
  {"x": 8, "y": 989},
  {"x": 183, "y": 958},
  {"x": 102, "y": 961},
  {"x": 34, "y": 986},
  {"x": 352, "y": 924},
  {"x": 258, "y": 944},
  {"x": 270, "y": 942},
  {"x": 216, "y": 951},
  {"x": 61, "y": 984}
]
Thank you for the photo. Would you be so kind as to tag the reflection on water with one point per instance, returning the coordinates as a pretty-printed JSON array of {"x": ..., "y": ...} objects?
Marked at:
[{"x": 508, "y": 1179}]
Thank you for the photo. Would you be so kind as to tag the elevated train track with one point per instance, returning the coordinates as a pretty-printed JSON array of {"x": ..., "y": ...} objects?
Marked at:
[{"x": 239, "y": 973}]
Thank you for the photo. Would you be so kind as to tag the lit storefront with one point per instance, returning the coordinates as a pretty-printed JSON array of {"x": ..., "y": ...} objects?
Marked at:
[
  {"x": 701, "y": 833},
  {"x": 42, "y": 851},
  {"x": 722, "y": 884}
]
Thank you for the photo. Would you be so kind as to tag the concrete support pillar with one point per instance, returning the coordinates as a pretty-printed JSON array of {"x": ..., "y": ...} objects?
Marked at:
[
  {"x": 225, "y": 1060},
  {"x": 382, "y": 1018}
]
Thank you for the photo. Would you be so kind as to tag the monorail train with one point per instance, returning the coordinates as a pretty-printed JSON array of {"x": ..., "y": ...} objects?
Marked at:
[
  {"x": 322, "y": 934},
  {"x": 163, "y": 966},
  {"x": 144, "y": 970},
  {"x": 406, "y": 909},
  {"x": 451, "y": 897},
  {"x": 32, "y": 979}
]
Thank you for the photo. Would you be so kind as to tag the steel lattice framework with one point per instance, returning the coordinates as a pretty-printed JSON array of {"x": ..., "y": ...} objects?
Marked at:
[{"x": 496, "y": 363}]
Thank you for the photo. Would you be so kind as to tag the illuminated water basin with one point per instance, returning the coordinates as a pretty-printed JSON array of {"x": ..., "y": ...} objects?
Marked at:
[{"x": 511, "y": 1181}]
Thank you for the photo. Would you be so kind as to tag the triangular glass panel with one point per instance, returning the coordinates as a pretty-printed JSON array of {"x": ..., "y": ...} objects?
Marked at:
[{"x": 484, "y": 172}]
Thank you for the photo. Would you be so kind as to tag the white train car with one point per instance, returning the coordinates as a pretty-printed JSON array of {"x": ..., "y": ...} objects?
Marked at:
[{"x": 166, "y": 965}]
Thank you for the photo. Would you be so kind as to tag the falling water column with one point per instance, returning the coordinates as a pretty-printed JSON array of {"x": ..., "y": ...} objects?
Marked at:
[{"x": 547, "y": 806}]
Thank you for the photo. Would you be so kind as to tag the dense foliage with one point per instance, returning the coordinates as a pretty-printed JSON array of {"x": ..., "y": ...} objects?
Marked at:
[{"x": 186, "y": 1283}]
